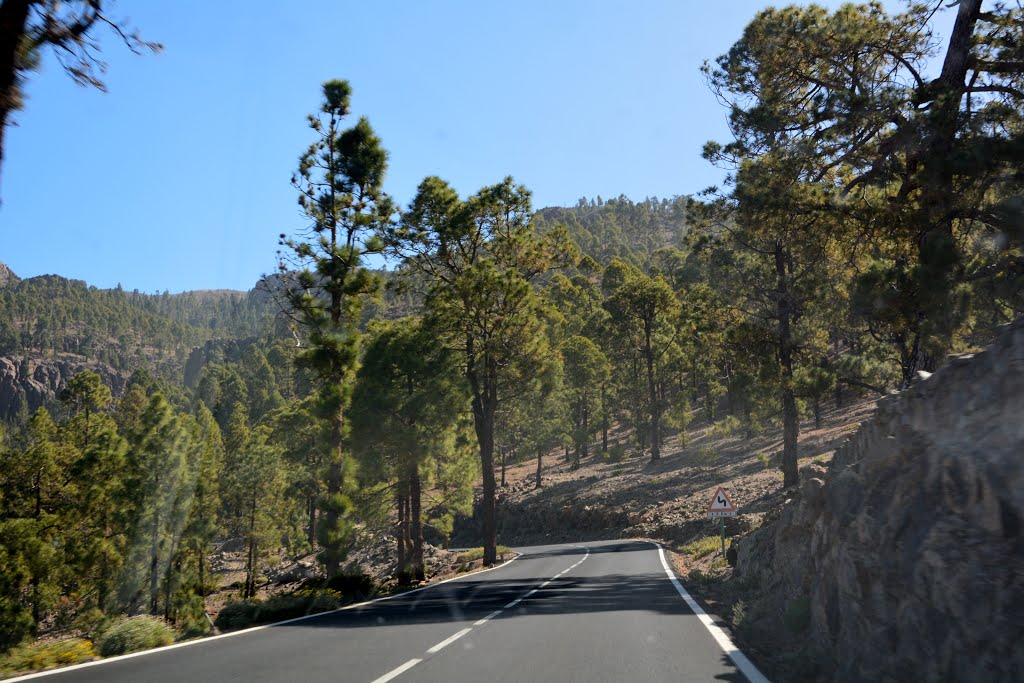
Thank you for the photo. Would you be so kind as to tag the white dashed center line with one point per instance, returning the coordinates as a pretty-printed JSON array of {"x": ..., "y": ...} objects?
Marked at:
[{"x": 395, "y": 673}]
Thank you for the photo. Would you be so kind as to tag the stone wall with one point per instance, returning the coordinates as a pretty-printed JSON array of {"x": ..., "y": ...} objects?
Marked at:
[{"x": 907, "y": 553}]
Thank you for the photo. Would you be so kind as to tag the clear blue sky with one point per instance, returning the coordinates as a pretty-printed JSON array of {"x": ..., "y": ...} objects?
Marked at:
[{"x": 178, "y": 178}]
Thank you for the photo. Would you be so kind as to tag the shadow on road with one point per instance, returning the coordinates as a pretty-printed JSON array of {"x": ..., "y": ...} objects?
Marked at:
[{"x": 474, "y": 598}]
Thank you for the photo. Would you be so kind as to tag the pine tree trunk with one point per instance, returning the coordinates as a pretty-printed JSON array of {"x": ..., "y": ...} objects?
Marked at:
[
  {"x": 490, "y": 521},
  {"x": 604, "y": 418},
  {"x": 504, "y": 458},
  {"x": 416, "y": 524},
  {"x": 483, "y": 385},
  {"x": 817, "y": 412},
  {"x": 250, "y": 568},
  {"x": 154, "y": 559},
  {"x": 335, "y": 484},
  {"x": 167, "y": 591},
  {"x": 311, "y": 502},
  {"x": 540, "y": 462},
  {"x": 202, "y": 573},
  {"x": 586, "y": 433},
  {"x": 790, "y": 417},
  {"x": 402, "y": 553},
  {"x": 652, "y": 393},
  {"x": 36, "y": 615}
]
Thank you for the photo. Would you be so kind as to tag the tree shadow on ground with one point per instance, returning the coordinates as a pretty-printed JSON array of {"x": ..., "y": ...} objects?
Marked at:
[{"x": 474, "y": 598}]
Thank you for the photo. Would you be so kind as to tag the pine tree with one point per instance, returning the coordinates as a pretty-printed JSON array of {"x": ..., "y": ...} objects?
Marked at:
[
  {"x": 340, "y": 183},
  {"x": 586, "y": 371},
  {"x": 480, "y": 258},
  {"x": 408, "y": 398},
  {"x": 643, "y": 316}
]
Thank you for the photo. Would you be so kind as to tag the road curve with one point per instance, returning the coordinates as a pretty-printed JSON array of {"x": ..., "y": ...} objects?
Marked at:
[{"x": 604, "y": 611}]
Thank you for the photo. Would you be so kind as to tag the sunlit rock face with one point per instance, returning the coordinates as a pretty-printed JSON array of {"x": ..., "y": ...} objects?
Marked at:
[
  {"x": 7, "y": 276},
  {"x": 38, "y": 382},
  {"x": 907, "y": 553}
]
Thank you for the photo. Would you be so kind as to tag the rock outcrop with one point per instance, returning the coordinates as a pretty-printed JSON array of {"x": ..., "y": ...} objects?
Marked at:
[
  {"x": 39, "y": 382},
  {"x": 7, "y": 276},
  {"x": 904, "y": 560}
]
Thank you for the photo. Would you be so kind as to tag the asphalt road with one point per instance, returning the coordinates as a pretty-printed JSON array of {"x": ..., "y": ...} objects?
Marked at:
[{"x": 604, "y": 611}]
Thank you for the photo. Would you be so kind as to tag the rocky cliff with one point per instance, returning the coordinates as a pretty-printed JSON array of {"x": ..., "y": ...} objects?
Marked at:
[
  {"x": 39, "y": 382},
  {"x": 7, "y": 275},
  {"x": 904, "y": 560}
]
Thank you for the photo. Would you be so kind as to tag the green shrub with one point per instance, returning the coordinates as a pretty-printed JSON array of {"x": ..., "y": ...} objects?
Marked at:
[
  {"x": 704, "y": 456},
  {"x": 35, "y": 656},
  {"x": 351, "y": 585},
  {"x": 478, "y": 554},
  {"x": 302, "y": 603},
  {"x": 617, "y": 452},
  {"x": 725, "y": 427},
  {"x": 703, "y": 547},
  {"x": 696, "y": 576},
  {"x": 133, "y": 634},
  {"x": 193, "y": 627},
  {"x": 92, "y": 623}
]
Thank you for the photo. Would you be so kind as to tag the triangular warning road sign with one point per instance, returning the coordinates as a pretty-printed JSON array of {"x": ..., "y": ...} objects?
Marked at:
[{"x": 720, "y": 502}]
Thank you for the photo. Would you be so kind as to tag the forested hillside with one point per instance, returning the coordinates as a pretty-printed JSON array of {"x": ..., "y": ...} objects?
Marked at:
[{"x": 621, "y": 228}]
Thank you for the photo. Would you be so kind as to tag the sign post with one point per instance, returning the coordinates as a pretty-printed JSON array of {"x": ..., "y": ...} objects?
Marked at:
[{"x": 722, "y": 507}]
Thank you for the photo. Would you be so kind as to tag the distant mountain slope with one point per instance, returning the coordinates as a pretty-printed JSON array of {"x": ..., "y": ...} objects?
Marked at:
[
  {"x": 620, "y": 227},
  {"x": 52, "y": 327}
]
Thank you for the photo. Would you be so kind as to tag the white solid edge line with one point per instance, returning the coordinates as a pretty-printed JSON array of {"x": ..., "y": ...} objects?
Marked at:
[
  {"x": 738, "y": 658},
  {"x": 449, "y": 640},
  {"x": 394, "y": 673},
  {"x": 198, "y": 641}
]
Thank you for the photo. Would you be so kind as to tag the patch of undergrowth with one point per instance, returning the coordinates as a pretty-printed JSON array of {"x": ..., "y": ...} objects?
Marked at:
[
  {"x": 618, "y": 452},
  {"x": 703, "y": 456},
  {"x": 696, "y": 576},
  {"x": 134, "y": 634},
  {"x": 478, "y": 554},
  {"x": 703, "y": 547},
  {"x": 37, "y": 656},
  {"x": 245, "y": 613}
]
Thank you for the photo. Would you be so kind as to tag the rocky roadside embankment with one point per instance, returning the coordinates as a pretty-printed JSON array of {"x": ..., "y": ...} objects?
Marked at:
[{"x": 905, "y": 557}]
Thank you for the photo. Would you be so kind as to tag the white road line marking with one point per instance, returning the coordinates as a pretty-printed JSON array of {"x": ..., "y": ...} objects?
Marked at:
[
  {"x": 448, "y": 641},
  {"x": 395, "y": 673},
  {"x": 723, "y": 640},
  {"x": 481, "y": 622}
]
